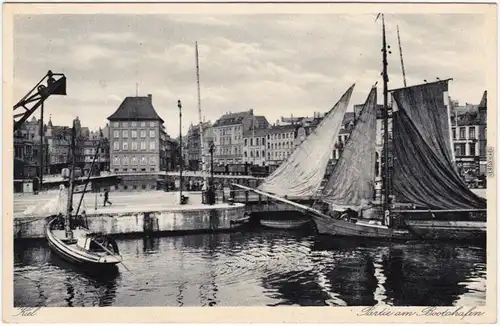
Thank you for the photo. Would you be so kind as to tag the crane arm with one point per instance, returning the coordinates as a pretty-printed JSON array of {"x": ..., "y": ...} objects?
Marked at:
[{"x": 38, "y": 94}]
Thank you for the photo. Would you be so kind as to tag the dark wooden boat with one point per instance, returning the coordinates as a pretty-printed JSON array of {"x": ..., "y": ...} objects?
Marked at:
[
  {"x": 470, "y": 231},
  {"x": 360, "y": 228},
  {"x": 84, "y": 247}
]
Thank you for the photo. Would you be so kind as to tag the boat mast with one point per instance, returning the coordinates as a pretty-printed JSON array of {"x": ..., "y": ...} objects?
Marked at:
[
  {"x": 202, "y": 147},
  {"x": 401, "y": 57},
  {"x": 386, "y": 119},
  {"x": 67, "y": 225}
]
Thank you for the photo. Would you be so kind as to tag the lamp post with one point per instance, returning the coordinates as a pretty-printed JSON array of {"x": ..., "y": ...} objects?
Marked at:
[
  {"x": 179, "y": 105},
  {"x": 211, "y": 191},
  {"x": 212, "y": 147}
]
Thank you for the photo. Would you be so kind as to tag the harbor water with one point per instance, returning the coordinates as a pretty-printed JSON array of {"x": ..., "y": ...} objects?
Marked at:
[{"x": 257, "y": 268}]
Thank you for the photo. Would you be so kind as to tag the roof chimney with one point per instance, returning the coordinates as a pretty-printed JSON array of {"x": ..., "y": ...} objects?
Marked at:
[
  {"x": 251, "y": 111},
  {"x": 150, "y": 97}
]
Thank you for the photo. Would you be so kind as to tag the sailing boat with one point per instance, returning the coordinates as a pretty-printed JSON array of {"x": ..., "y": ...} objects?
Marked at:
[
  {"x": 418, "y": 172},
  {"x": 350, "y": 187},
  {"x": 72, "y": 241},
  {"x": 422, "y": 174}
]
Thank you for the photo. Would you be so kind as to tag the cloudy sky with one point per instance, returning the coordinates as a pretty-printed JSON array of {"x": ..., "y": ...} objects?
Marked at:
[{"x": 276, "y": 64}]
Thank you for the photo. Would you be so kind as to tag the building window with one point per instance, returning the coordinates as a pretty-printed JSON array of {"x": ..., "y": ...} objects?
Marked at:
[
  {"x": 460, "y": 150},
  {"x": 134, "y": 146},
  {"x": 256, "y": 153},
  {"x": 263, "y": 154},
  {"x": 269, "y": 155},
  {"x": 462, "y": 133},
  {"x": 134, "y": 160},
  {"x": 133, "y": 133},
  {"x": 472, "y": 132},
  {"x": 116, "y": 146},
  {"x": 454, "y": 133},
  {"x": 143, "y": 124},
  {"x": 152, "y": 160},
  {"x": 246, "y": 143},
  {"x": 116, "y": 124},
  {"x": 152, "y": 146},
  {"x": 143, "y": 161},
  {"x": 472, "y": 149},
  {"x": 134, "y": 124},
  {"x": 125, "y": 134},
  {"x": 152, "y": 124},
  {"x": 245, "y": 153},
  {"x": 257, "y": 141},
  {"x": 143, "y": 145},
  {"x": 116, "y": 160},
  {"x": 116, "y": 134},
  {"x": 251, "y": 141},
  {"x": 143, "y": 133},
  {"x": 125, "y": 160},
  {"x": 251, "y": 153},
  {"x": 263, "y": 140},
  {"x": 151, "y": 134},
  {"x": 125, "y": 146}
]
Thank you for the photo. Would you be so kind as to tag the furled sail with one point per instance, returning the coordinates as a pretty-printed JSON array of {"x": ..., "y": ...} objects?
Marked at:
[
  {"x": 423, "y": 171},
  {"x": 301, "y": 174},
  {"x": 351, "y": 184}
]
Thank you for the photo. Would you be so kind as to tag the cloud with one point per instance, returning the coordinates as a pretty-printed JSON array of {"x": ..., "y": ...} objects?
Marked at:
[{"x": 276, "y": 64}]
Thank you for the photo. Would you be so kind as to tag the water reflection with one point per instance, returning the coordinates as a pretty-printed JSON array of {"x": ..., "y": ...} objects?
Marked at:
[
  {"x": 256, "y": 269},
  {"x": 57, "y": 282}
]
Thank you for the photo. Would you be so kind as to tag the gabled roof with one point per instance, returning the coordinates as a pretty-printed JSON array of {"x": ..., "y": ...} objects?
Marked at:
[
  {"x": 232, "y": 118},
  {"x": 483, "y": 103},
  {"x": 135, "y": 108}
]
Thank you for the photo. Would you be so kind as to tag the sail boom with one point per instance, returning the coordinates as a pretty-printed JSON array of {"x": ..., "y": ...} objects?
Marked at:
[{"x": 418, "y": 85}]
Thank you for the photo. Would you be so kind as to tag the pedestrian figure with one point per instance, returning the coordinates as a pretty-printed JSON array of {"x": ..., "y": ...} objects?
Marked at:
[{"x": 106, "y": 197}]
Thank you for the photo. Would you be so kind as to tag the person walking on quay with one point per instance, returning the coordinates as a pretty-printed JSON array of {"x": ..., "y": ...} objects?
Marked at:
[{"x": 106, "y": 197}]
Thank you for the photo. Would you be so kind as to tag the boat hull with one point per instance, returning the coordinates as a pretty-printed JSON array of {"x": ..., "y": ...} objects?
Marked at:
[
  {"x": 448, "y": 230},
  {"x": 337, "y": 227},
  {"x": 80, "y": 257}
]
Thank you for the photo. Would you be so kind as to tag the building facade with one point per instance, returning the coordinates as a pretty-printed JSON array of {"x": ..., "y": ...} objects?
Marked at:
[
  {"x": 193, "y": 139},
  {"x": 96, "y": 149},
  {"x": 135, "y": 132},
  {"x": 228, "y": 133},
  {"x": 469, "y": 140},
  {"x": 255, "y": 146},
  {"x": 280, "y": 143}
]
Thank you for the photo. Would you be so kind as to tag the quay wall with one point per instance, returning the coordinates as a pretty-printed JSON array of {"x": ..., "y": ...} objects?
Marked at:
[{"x": 128, "y": 223}]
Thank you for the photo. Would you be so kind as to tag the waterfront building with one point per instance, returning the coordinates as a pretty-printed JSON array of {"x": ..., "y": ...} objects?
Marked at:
[
  {"x": 254, "y": 146},
  {"x": 193, "y": 142},
  {"x": 280, "y": 143},
  {"x": 135, "y": 130},
  {"x": 136, "y": 137},
  {"x": 228, "y": 135},
  {"x": 469, "y": 139},
  {"x": 90, "y": 147}
]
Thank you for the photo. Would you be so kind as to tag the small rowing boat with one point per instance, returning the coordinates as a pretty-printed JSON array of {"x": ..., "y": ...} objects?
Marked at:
[{"x": 289, "y": 224}]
